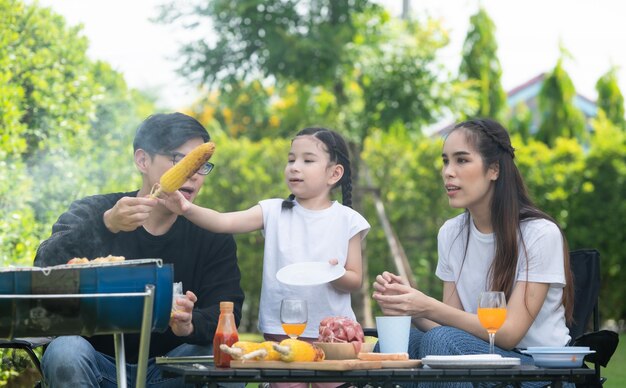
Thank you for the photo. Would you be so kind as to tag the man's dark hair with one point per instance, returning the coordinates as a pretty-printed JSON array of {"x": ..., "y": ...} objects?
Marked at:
[{"x": 164, "y": 132}]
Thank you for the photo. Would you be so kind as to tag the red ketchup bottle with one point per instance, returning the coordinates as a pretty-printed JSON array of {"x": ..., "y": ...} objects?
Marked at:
[{"x": 226, "y": 333}]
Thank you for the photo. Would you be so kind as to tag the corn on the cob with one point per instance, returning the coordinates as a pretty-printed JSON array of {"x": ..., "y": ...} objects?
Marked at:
[
  {"x": 244, "y": 350},
  {"x": 293, "y": 350},
  {"x": 178, "y": 174},
  {"x": 272, "y": 355},
  {"x": 240, "y": 348}
]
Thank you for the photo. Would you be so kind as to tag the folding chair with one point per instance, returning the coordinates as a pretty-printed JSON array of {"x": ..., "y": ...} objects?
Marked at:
[
  {"x": 585, "y": 266},
  {"x": 29, "y": 345}
]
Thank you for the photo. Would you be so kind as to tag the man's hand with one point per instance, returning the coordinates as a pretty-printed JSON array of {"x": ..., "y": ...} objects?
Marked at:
[
  {"x": 180, "y": 321},
  {"x": 129, "y": 213}
]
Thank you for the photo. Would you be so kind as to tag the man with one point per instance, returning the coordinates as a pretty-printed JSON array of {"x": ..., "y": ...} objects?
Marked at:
[{"x": 136, "y": 226}]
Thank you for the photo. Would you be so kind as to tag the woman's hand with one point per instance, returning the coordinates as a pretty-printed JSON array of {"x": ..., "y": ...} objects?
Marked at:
[
  {"x": 397, "y": 298},
  {"x": 180, "y": 321},
  {"x": 385, "y": 279}
]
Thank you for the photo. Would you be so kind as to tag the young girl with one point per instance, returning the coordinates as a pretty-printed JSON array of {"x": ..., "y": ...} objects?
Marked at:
[
  {"x": 502, "y": 242},
  {"x": 308, "y": 226}
]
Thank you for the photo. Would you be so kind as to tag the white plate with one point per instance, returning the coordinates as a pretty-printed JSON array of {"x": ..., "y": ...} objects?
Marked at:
[
  {"x": 559, "y": 357},
  {"x": 470, "y": 361},
  {"x": 309, "y": 273},
  {"x": 558, "y": 349}
]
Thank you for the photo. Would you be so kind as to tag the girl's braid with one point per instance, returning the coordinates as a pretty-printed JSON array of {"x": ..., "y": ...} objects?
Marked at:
[
  {"x": 346, "y": 188},
  {"x": 289, "y": 203},
  {"x": 346, "y": 180}
]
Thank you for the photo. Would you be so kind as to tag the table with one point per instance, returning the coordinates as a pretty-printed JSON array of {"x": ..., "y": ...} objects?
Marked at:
[{"x": 208, "y": 375}]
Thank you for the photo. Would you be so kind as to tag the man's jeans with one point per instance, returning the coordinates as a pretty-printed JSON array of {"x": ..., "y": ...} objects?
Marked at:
[{"x": 71, "y": 361}]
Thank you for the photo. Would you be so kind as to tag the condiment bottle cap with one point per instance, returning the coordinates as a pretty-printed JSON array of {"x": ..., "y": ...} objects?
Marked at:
[{"x": 226, "y": 306}]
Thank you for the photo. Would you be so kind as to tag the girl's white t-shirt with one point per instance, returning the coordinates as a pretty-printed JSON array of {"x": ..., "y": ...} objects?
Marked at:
[
  {"x": 300, "y": 235},
  {"x": 545, "y": 264}
]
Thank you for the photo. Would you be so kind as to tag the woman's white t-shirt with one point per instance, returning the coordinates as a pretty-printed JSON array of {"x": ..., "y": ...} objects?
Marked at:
[
  {"x": 299, "y": 235},
  {"x": 545, "y": 264}
]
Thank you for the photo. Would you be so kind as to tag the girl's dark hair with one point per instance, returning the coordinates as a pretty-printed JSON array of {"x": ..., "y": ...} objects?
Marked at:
[
  {"x": 338, "y": 151},
  {"x": 510, "y": 205}
]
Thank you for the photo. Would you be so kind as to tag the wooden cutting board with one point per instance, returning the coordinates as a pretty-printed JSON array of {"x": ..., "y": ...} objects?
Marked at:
[
  {"x": 401, "y": 364},
  {"x": 314, "y": 365}
]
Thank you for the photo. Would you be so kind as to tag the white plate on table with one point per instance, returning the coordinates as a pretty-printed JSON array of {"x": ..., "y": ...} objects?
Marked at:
[
  {"x": 470, "y": 361},
  {"x": 309, "y": 273},
  {"x": 558, "y": 357}
]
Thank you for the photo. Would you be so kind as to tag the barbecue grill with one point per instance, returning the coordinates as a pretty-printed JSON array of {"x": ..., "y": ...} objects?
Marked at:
[{"x": 132, "y": 296}]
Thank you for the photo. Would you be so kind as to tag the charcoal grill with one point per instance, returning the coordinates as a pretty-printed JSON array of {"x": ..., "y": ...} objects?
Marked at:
[{"x": 132, "y": 296}]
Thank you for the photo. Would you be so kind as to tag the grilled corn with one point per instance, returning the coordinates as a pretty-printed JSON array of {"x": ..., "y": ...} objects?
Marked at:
[
  {"x": 178, "y": 174},
  {"x": 293, "y": 350}
]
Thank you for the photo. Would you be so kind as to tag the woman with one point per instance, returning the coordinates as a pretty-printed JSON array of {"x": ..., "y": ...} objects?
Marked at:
[{"x": 502, "y": 242}]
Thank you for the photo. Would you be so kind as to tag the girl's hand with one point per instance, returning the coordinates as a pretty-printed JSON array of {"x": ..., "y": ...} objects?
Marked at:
[
  {"x": 180, "y": 320},
  {"x": 175, "y": 202}
]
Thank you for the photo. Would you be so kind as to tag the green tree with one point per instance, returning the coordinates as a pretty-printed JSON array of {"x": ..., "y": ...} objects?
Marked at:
[
  {"x": 480, "y": 63},
  {"x": 67, "y": 125},
  {"x": 45, "y": 105},
  {"x": 291, "y": 40},
  {"x": 610, "y": 98},
  {"x": 521, "y": 121},
  {"x": 553, "y": 185},
  {"x": 399, "y": 79},
  {"x": 56, "y": 105},
  {"x": 559, "y": 116},
  {"x": 355, "y": 68},
  {"x": 598, "y": 212}
]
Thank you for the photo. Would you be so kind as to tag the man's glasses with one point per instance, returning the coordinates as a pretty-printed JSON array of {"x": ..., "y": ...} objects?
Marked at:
[{"x": 204, "y": 170}]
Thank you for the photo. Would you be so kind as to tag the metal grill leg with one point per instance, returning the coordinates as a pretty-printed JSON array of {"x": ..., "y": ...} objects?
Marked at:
[
  {"x": 120, "y": 359},
  {"x": 144, "y": 342}
]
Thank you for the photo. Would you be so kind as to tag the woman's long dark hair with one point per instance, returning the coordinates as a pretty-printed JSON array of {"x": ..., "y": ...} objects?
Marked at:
[
  {"x": 338, "y": 151},
  {"x": 510, "y": 206}
]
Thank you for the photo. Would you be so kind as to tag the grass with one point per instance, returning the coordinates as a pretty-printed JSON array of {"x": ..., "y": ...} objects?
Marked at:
[
  {"x": 254, "y": 337},
  {"x": 615, "y": 372}
]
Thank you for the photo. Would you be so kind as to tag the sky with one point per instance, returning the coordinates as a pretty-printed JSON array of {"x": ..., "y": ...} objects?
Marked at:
[{"x": 529, "y": 34}]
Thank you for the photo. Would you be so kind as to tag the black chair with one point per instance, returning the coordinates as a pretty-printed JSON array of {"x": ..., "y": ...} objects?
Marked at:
[
  {"x": 585, "y": 330},
  {"x": 29, "y": 345}
]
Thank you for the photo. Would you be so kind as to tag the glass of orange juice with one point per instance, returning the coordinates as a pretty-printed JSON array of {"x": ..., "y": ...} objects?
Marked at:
[
  {"x": 492, "y": 313},
  {"x": 293, "y": 316}
]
